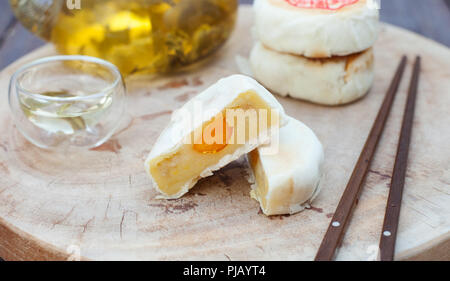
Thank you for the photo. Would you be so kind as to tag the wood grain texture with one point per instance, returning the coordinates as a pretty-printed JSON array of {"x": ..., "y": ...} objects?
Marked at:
[{"x": 102, "y": 201}]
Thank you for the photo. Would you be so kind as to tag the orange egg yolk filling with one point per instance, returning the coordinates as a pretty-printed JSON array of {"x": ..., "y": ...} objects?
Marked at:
[{"x": 215, "y": 136}]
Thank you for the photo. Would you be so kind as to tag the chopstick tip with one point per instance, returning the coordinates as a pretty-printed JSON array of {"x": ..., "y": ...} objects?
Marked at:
[{"x": 418, "y": 59}]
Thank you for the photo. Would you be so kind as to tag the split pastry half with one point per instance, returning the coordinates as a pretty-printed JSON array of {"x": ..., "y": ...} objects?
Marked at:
[
  {"x": 291, "y": 26},
  {"x": 286, "y": 182},
  {"x": 333, "y": 81},
  {"x": 226, "y": 121}
]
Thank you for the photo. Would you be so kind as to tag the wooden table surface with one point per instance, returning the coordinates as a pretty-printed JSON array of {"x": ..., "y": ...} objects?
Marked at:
[{"x": 430, "y": 18}]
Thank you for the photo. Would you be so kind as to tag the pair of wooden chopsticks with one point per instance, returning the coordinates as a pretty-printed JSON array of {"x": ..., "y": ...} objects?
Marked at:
[{"x": 342, "y": 215}]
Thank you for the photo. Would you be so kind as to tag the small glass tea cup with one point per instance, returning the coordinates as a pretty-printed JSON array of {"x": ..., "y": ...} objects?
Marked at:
[{"x": 63, "y": 101}]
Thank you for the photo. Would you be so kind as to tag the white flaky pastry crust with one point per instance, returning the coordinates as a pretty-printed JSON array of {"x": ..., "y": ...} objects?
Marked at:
[
  {"x": 316, "y": 33},
  {"x": 293, "y": 174},
  {"x": 212, "y": 101},
  {"x": 333, "y": 81}
]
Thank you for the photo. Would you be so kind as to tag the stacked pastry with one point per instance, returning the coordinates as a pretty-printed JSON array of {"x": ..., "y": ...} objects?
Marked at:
[
  {"x": 319, "y": 51},
  {"x": 285, "y": 156}
]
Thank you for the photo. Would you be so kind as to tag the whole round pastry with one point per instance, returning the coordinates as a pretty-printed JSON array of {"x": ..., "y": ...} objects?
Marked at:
[
  {"x": 332, "y": 81},
  {"x": 316, "y": 29}
]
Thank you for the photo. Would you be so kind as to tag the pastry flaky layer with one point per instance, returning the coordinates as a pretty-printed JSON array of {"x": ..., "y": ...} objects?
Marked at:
[
  {"x": 183, "y": 154},
  {"x": 316, "y": 33},
  {"x": 287, "y": 181},
  {"x": 333, "y": 81}
]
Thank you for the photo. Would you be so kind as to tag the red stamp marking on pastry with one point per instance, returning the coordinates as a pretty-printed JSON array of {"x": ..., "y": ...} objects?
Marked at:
[{"x": 321, "y": 4}]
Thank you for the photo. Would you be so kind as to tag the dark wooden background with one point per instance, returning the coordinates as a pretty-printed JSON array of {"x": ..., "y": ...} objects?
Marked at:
[{"x": 431, "y": 18}]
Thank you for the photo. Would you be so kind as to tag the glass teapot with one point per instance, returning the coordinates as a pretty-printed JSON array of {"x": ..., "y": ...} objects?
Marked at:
[{"x": 151, "y": 36}]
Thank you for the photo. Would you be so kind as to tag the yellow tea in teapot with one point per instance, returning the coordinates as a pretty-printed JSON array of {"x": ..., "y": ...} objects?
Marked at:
[{"x": 136, "y": 35}]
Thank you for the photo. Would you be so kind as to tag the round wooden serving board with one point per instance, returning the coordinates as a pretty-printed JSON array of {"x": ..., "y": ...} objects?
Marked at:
[{"x": 100, "y": 203}]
